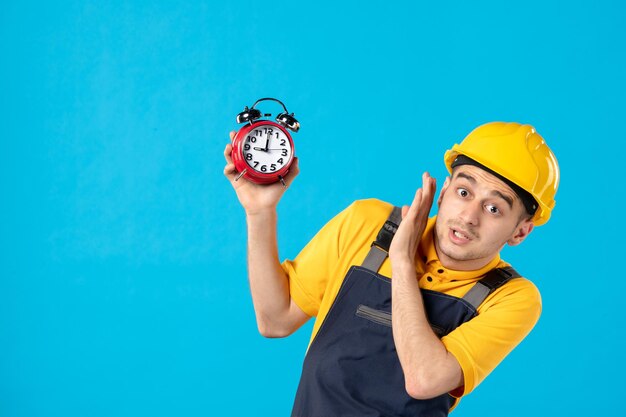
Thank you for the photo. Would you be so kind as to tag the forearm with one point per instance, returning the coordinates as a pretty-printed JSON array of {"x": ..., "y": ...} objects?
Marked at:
[
  {"x": 269, "y": 284},
  {"x": 429, "y": 369},
  {"x": 276, "y": 314}
]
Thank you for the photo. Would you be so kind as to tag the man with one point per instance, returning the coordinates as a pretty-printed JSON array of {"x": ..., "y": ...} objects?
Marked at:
[{"x": 457, "y": 308}]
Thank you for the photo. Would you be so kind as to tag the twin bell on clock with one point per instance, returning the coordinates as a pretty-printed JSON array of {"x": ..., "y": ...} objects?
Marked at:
[{"x": 263, "y": 150}]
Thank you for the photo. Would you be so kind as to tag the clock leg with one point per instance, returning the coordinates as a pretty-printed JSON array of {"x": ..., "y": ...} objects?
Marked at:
[{"x": 241, "y": 175}]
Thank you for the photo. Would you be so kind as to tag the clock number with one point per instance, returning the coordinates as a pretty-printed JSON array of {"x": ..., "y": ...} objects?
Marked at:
[
  {"x": 280, "y": 161},
  {"x": 269, "y": 131},
  {"x": 252, "y": 139},
  {"x": 249, "y": 157},
  {"x": 246, "y": 147},
  {"x": 284, "y": 152},
  {"x": 273, "y": 167},
  {"x": 256, "y": 163},
  {"x": 282, "y": 142},
  {"x": 258, "y": 132},
  {"x": 264, "y": 168}
]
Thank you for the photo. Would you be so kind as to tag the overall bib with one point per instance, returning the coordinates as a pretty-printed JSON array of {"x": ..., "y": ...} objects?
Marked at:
[{"x": 351, "y": 367}]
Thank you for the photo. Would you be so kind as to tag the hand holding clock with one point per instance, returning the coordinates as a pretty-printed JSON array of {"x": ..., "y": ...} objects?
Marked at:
[
  {"x": 254, "y": 197},
  {"x": 262, "y": 165}
]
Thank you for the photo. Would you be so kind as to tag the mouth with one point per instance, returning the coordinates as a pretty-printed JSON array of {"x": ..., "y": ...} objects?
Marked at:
[{"x": 460, "y": 236}]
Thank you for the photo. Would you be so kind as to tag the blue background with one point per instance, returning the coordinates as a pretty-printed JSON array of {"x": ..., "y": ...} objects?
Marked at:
[{"x": 123, "y": 286}]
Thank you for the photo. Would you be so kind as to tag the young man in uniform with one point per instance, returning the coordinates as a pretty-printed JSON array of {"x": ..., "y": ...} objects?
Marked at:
[{"x": 457, "y": 309}]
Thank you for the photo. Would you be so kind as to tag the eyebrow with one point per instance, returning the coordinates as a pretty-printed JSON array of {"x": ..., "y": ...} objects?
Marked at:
[{"x": 497, "y": 193}]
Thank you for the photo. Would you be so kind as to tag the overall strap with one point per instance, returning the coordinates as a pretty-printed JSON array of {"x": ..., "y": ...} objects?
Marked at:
[
  {"x": 489, "y": 283},
  {"x": 380, "y": 247}
]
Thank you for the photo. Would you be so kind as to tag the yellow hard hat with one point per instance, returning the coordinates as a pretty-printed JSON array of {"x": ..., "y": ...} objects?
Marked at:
[{"x": 517, "y": 153}]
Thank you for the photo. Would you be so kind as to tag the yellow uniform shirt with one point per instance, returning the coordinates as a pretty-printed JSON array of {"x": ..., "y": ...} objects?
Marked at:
[{"x": 503, "y": 320}]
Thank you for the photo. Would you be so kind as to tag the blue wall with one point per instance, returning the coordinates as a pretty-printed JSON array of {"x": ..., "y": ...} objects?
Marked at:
[{"x": 123, "y": 288}]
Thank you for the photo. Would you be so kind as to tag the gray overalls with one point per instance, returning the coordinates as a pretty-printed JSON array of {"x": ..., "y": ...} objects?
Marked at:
[{"x": 351, "y": 367}]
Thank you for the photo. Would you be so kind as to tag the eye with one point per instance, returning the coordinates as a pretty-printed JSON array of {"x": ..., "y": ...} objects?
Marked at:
[
  {"x": 462, "y": 192},
  {"x": 492, "y": 209}
]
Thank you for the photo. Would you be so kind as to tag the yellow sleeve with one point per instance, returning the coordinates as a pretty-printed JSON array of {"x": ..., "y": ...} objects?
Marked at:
[
  {"x": 503, "y": 320},
  {"x": 319, "y": 268},
  {"x": 310, "y": 271}
]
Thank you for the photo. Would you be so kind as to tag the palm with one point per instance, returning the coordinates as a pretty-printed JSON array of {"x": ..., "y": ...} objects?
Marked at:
[
  {"x": 414, "y": 218},
  {"x": 255, "y": 196}
]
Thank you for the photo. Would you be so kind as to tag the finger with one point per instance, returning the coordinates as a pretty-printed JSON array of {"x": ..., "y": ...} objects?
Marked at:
[
  {"x": 294, "y": 170},
  {"x": 232, "y": 135},
  {"x": 230, "y": 172},
  {"x": 227, "y": 153},
  {"x": 405, "y": 210},
  {"x": 426, "y": 182},
  {"x": 415, "y": 205},
  {"x": 429, "y": 186}
]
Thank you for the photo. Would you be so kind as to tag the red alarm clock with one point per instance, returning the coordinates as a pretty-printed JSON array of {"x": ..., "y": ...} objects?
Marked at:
[{"x": 263, "y": 150}]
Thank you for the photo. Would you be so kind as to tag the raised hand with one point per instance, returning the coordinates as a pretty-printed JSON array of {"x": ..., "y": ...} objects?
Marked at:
[{"x": 414, "y": 218}]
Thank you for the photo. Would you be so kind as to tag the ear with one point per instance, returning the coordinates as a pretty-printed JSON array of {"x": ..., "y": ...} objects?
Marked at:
[
  {"x": 443, "y": 190},
  {"x": 521, "y": 231}
]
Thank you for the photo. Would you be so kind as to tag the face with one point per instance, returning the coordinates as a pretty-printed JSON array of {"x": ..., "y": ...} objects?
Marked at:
[
  {"x": 267, "y": 149},
  {"x": 478, "y": 214}
]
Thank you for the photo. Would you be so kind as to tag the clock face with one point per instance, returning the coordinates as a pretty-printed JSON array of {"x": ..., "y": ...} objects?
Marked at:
[{"x": 266, "y": 149}]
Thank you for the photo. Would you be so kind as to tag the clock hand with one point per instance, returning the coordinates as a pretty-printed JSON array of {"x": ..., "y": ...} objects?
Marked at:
[
  {"x": 268, "y": 149},
  {"x": 267, "y": 143}
]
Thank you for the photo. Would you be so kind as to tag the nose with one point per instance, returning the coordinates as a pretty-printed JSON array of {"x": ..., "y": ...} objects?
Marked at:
[{"x": 471, "y": 213}]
